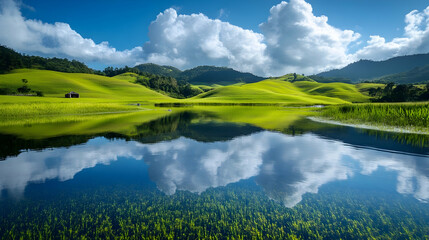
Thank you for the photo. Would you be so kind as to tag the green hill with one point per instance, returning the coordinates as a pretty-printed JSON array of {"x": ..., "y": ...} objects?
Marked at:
[
  {"x": 274, "y": 91},
  {"x": 344, "y": 91},
  {"x": 121, "y": 88},
  {"x": 167, "y": 71},
  {"x": 293, "y": 77},
  {"x": 89, "y": 86}
]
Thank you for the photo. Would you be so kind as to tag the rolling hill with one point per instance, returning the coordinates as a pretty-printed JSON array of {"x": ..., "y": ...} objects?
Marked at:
[
  {"x": 283, "y": 90},
  {"x": 167, "y": 71},
  {"x": 89, "y": 86},
  {"x": 275, "y": 91},
  {"x": 368, "y": 70},
  {"x": 203, "y": 75}
]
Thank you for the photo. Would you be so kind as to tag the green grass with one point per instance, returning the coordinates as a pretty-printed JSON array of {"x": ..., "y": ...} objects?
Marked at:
[
  {"x": 403, "y": 115},
  {"x": 130, "y": 77},
  {"x": 56, "y": 84},
  {"x": 101, "y": 94},
  {"x": 344, "y": 91},
  {"x": 267, "y": 91},
  {"x": 17, "y": 110},
  {"x": 364, "y": 87}
]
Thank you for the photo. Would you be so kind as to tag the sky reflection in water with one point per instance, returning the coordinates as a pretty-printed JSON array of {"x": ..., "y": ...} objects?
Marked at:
[{"x": 286, "y": 167}]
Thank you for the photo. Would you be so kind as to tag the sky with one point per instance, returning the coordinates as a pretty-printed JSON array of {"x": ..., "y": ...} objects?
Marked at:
[{"x": 264, "y": 37}]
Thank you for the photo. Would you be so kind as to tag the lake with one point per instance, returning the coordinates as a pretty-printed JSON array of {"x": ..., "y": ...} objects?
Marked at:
[{"x": 230, "y": 173}]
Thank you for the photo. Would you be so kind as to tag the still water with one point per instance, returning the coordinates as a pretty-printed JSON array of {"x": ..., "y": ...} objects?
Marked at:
[{"x": 188, "y": 176}]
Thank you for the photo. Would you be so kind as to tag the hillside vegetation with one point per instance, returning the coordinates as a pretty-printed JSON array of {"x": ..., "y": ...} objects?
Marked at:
[
  {"x": 10, "y": 60},
  {"x": 416, "y": 75},
  {"x": 89, "y": 86},
  {"x": 271, "y": 91},
  {"x": 203, "y": 75}
]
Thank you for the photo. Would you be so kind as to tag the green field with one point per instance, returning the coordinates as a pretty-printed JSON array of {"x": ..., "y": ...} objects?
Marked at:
[
  {"x": 119, "y": 94},
  {"x": 115, "y": 94},
  {"x": 270, "y": 91},
  {"x": 89, "y": 86}
]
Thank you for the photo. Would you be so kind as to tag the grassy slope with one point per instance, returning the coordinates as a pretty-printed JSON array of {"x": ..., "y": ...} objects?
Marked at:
[
  {"x": 104, "y": 94},
  {"x": 89, "y": 86},
  {"x": 267, "y": 91},
  {"x": 130, "y": 77},
  {"x": 347, "y": 92}
]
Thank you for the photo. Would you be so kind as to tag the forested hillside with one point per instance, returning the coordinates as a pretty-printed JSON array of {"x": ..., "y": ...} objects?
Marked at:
[
  {"x": 9, "y": 60},
  {"x": 205, "y": 75}
]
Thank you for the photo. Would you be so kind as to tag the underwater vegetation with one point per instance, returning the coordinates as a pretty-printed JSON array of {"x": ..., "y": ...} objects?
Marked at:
[{"x": 238, "y": 211}]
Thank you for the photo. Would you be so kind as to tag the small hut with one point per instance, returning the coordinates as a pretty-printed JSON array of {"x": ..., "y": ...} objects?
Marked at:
[{"x": 72, "y": 95}]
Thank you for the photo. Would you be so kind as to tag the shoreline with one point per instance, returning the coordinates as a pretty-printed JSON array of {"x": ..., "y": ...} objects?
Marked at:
[{"x": 370, "y": 127}]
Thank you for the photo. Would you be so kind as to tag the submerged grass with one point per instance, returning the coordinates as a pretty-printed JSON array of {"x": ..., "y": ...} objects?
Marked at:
[
  {"x": 404, "y": 115},
  {"x": 88, "y": 124}
]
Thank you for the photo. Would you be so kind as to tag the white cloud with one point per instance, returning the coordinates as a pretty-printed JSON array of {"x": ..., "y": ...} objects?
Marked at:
[
  {"x": 295, "y": 40},
  {"x": 60, "y": 163},
  {"x": 33, "y": 36},
  {"x": 190, "y": 40},
  {"x": 414, "y": 41},
  {"x": 298, "y": 41},
  {"x": 292, "y": 39}
]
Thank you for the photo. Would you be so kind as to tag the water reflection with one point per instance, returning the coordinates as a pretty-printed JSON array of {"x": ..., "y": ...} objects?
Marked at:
[{"x": 286, "y": 167}]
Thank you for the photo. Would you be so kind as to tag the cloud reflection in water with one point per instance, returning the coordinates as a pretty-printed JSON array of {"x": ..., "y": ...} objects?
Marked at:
[{"x": 285, "y": 167}]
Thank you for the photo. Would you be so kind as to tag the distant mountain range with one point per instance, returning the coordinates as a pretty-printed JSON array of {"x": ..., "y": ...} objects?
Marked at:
[
  {"x": 380, "y": 70},
  {"x": 204, "y": 75}
]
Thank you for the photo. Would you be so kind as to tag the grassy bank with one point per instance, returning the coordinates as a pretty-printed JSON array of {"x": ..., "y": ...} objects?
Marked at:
[
  {"x": 414, "y": 116},
  {"x": 35, "y": 110}
]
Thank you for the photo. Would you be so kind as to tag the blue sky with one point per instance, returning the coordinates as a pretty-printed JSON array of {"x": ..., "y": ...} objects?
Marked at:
[
  {"x": 125, "y": 23},
  {"x": 296, "y": 38}
]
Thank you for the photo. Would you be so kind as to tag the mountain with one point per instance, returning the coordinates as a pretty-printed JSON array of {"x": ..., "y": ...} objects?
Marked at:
[
  {"x": 416, "y": 75},
  {"x": 203, "y": 75},
  {"x": 167, "y": 71},
  {"x": 369, "y": 70}
]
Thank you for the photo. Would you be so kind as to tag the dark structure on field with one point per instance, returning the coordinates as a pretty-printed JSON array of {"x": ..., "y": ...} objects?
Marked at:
[{"x": 72, "y": 95}]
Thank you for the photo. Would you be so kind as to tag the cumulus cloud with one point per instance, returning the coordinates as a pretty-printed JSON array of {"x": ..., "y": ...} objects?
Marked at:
[
  {"x": 298, "y": 41},
  {"x": 292, "y": 39},
  {"x": 414, "y": 41},
  {"x": 60, "y": 163},
  {"x": 189, "y": 40},
  {"x": 58, "y": 39}
]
